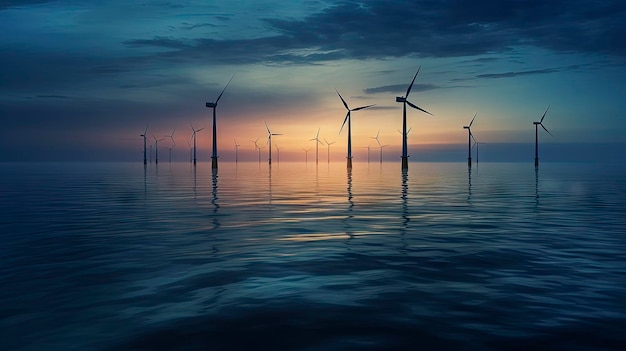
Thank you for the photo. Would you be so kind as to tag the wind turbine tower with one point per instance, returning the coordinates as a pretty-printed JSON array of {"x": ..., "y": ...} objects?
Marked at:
[
  {"x": 329, "y": 144},
  {"x": 347, "y": 119},
  {"x": 269, "y": 141},
  {"x": 404, "y": 101},
  {"x": 470, "y": 136},
  {"x": 156, "y": 151},
  {"x": 171, "y": 136},
  {"x": 540, "y": 123},
  {"x": 317, "y": 142},
  {"x": 193, "y": 136},
  {"x": 145, "y": 160},
  {"x": 213, "y": 105},
  {"x": 236, "y": 151}
]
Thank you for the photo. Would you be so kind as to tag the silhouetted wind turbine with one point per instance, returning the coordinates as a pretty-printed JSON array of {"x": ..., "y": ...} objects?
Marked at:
[
  {"x": 368, "y": 152},
  {"x": 469, "y": 141},
  {"x": 380, "y": 146},
  {"x": 540, "y": 123},
  {"x": 329, "y": 144},
  {"x": 213, "y": 105},
  {"x": 236, "y": 151},
  {"x": 190, "y": 151},
  {"x": 156, "y": 147},
  {"x": 349, "y": 162},
  {"x": 269, "y": 141},
  {"x": 193, "y": 136},
  {"x": 171, "y": 136},
  {"x": 306, "y": 155},
  {"x": 317, "y": 142},
  {"x": 145, "y": 161},
  {"x": 256, "y": 147},
  {"x": 404, "y": 101},
  {"x": 277, "y": 153}
]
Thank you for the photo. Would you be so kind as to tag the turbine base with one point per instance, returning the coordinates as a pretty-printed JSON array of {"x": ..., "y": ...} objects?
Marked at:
[
  {"x": 536, "y": 162},
  {"x": 349, "y": 163},
  {"x": 405, "y": 162},
  {"x": 214, "y": 162},
  {"x": 469, "y": 162}
]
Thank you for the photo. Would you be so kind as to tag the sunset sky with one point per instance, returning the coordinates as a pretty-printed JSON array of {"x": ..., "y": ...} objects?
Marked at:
[{"x": 80, "y": 80}]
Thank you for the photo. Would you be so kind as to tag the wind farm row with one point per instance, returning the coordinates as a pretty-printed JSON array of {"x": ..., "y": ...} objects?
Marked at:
[{"x": 347, "y": 123}]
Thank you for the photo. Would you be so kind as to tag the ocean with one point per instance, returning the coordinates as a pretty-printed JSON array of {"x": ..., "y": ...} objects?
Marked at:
[{"x": 118, "y": 256}]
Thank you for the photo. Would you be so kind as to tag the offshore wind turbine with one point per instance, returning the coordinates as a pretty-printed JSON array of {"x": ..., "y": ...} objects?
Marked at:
[
  {"x": 347, "y": 119},
  {"x": 404, "y": 101},
  {"x": 368, "y": 152},
  {"x": 306, "y": 155},
  {"x": 470, "y": 136},
  {"x": 277, "y": 153},
  {"x": 145, "y": 161},
  {"x": 329, "y": 144},
  {"x": 380, "y": 146},
  {"x": 269, "y": 141},
  {"x": 213, "y": 105},
  {"x": 317, "y": 142},
  {"x": 156, "y": 147},
  {"x": 190, "y": 151},
  {"x": 540, "y": 123},
  {"x": 193, "y": 136},
  {"x": 171, "y": 136},
  {"x": 236, "y": 150},
  {"x": 256, "y": 147}
]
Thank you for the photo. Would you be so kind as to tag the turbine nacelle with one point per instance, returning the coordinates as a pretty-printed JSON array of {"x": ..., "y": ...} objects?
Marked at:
[
  {"x": 211, "y": 104},
  {"x": 400, "y": 99}
]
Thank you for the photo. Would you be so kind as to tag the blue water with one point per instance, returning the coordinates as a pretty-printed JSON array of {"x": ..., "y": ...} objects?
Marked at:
[{"x": 121, "y": 257}]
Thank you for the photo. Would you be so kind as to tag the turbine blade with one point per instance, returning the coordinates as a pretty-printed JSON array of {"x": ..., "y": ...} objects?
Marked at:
[
  {"x": 199, "y": 130},
  {"x": 544, "y": 128},
  {"x": 473, "y": 119},
  {"x": 342, "y": 100},
  {"x": 413, "y": 81},
  {"x": 344, "y": 121},
  {"x": 415, "y": 106},
  {"x": 318, "y": 133},
  {"x": 544, "y": 115},
  {"x": 362, "y": 107},
  {"x": 218, "y": 98},
  {"x": 146, "y": 130},
  {"x": 409, "y": 131}
]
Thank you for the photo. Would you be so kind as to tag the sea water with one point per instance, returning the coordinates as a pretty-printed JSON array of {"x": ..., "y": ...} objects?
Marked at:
[{"x": 118, "y": 256}]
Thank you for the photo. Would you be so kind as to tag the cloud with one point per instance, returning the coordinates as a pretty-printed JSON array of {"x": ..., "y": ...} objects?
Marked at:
[
  {"x": 517, "y": 74},
  {"x": 400, "y": 88}
]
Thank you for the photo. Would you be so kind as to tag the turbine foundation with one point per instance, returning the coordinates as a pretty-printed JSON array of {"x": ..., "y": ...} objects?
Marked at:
[
  {"x": 349, "y": 162},
  {"x": 214, "y": 162},
  {"x": 405, "y": 162}
]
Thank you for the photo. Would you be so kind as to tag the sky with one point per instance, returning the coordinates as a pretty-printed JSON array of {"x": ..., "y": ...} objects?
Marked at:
[{"x": 81, "y": 80}]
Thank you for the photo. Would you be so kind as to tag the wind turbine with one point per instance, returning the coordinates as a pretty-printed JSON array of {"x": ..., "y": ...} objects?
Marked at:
[
  {"x": 404, "y": 101},
  {"x": 171, "y": 136},
  {"x": 329, "y": 144},
  {"x": 349, "y": 162},
  {"x": 256, "y": 146},
  {"x": 368, "y": 152},
  {"x": 306, "y": 155},
  {"x": 236, "y": 150},
  {"x": 193, "y": 136},
  {"x": 317, "y": 142},
  {"x": 145, "y": 161},
  {"x": 277, "y": 153},
  {"x": 380, "y": 146},
  {"x": 470, "y": 136},
  {"x": 213, "y": 105},
  {"x": 540, "y": 123},
  {"x": 156, "y": 147},
  {"x": 269, "y": 141}
]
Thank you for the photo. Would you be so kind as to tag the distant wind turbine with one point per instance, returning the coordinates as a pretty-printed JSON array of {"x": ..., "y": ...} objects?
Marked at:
[
  {"x": 368, "y": 152},
  {"x": 329, "y": 144},
  {"x": 171, "y": 136},
  {"x": 156, "y": 147},
  {"x": 190, "y": 151},
  {"x": 236, "y": 151},
  {"x": 193, "y": 136},
  {"x": 470, "y": 136},
  {"x": 404, "y": 101},
  {"x": 349, "y": 157},
  {"x": 145, "y": 161},
  {"x": 380, "y": 146},
  {"x": 306, "y": 155},
  {"x": 256, "y": 147},
  {"x": 317, "y": 142},
  {"x": 213, "y": 105},
  {"x": 277, "y": 153},
  {"x": 269, "y": 141},
  {"x": 540, "y": 123}
]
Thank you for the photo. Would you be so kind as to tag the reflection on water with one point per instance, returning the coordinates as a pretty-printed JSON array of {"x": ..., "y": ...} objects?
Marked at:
[{"x": 113, "y": 256}]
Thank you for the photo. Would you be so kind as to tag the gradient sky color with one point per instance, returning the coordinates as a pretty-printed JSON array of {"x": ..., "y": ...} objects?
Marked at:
[{"x": 80, "y": 80}]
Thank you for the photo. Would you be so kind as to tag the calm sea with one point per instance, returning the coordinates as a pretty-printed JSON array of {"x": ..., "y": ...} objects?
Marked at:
[{"x": 116, "y": 256}]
